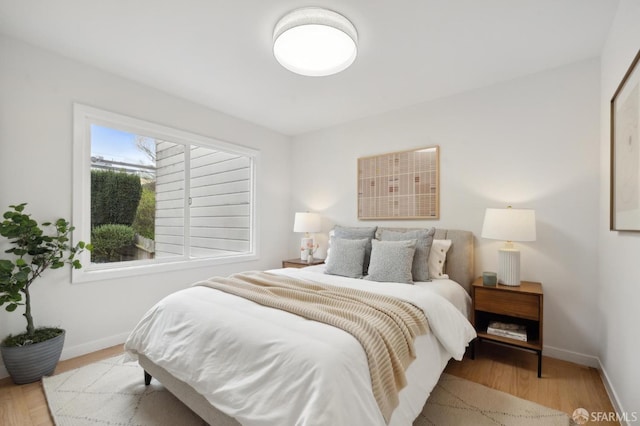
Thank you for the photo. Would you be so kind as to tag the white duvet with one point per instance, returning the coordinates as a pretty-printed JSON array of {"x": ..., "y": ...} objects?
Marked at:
[{"x": 267, "y": 367}]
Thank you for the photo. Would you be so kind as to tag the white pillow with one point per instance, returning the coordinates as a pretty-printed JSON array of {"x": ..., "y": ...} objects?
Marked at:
[
  {"x": 331, "y": 234},
  {"x": 437, "y": 257}
]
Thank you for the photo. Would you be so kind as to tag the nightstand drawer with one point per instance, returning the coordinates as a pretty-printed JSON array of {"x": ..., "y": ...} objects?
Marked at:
[{"x": 508, "y": 303}]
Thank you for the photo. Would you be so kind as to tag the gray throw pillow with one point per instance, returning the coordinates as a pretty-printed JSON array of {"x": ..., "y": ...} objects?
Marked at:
[
  {"x": 347, "y": 257},
  {"x": 424, "y": 238},
  {"x": 391, "y": 261},
  {"x": 357, "y": 233}
]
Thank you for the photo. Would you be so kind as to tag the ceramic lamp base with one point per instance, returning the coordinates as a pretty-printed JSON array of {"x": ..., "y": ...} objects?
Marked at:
[
  {"x": 305, "y": 243},
  {"x": 509, "y": 267}
]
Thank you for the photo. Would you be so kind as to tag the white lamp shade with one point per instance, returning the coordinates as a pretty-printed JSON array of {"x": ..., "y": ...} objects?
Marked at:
[
  {"x": 315, "y": 42},
  {"x": 509, "y": 224},
  {"x": 307, "y": 222}
]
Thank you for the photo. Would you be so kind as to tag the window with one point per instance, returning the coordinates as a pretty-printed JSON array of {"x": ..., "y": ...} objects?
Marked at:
[{"x": 149, "y": 196}]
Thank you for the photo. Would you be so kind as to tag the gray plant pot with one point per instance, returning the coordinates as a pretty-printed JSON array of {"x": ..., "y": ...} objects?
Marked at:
[{"x": 27, "y": 364}]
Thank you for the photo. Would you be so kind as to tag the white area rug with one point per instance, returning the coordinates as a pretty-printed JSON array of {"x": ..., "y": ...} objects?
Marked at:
[
  {"x": 112, "y": 393},
  {"x": 455, "y": 401}
]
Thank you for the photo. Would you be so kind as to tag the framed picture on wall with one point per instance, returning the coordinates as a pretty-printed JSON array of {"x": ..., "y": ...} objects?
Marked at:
[
  {"x": 400, "y": 185},
  {"x": 625, "y": 152}
]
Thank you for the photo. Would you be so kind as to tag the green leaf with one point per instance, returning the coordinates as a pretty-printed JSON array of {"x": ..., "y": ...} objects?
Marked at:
[
  {"x": 6, "y": 265},
  {"x": 22, "y": 276},
  {"x": 11, "y": 307}
]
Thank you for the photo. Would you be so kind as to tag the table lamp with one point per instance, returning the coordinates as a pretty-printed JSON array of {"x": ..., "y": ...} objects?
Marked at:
[
  {"x": 509, "y": 225},
  {"x": 307, "y": 222}
]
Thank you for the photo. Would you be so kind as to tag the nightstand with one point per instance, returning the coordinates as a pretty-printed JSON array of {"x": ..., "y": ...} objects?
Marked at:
[
  {"x": 521, "y": 305},
  {"x": 299, "y": 263}
]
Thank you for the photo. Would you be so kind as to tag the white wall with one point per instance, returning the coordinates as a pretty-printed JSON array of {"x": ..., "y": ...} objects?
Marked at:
[
  {"x": 531, "y": 142},
  {"x": 619, "y": 273},
  {"x": 37, "y": 93}
]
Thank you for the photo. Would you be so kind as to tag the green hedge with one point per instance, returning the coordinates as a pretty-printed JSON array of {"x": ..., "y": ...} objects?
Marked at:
[
  {"x": 110, "y": 242},
  {"x": 114, "y": 197},
  {"x": 145, "y": 222}
]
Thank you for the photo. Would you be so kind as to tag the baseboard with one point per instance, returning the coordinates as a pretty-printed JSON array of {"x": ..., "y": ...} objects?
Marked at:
[
  {"x": 613, "y": 396},
  {"x": 590, "y": 361},
  {"x": 575, "y": 357},
  {"x": 95, "y": 345},
  {"x": 82, "y": 349}
]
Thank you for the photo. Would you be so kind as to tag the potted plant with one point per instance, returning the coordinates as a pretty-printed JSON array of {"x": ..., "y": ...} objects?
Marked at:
[{"x": 35, "y": 353}]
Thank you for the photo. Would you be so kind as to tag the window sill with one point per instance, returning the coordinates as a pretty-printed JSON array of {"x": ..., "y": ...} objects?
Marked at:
[{"x": 136, "y": 269}]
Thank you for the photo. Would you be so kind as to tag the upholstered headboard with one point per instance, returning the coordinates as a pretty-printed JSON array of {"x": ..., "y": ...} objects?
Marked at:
[{"x": 460, "y": 256}]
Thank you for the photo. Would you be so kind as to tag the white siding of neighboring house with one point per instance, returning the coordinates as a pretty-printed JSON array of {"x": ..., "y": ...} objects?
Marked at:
[
  {"x": 220, "y": 191},
  {"x": 170, "y": 193}
]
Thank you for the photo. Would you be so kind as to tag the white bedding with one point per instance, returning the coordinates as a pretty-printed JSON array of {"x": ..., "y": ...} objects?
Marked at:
[{"x": 265, "y": 367}]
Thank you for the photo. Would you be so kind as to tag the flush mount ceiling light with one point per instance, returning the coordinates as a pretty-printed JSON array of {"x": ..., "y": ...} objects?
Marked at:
[{"x": 315, "y": 42}]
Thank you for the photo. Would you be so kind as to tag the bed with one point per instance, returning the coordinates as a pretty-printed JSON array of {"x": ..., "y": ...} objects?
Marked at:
[{"x": 233, "y": 361}]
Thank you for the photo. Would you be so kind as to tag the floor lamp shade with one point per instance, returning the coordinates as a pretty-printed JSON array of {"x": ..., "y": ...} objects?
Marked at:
[
  {"x": 308, "y": 223},
  {"x": 509, "y": 225}
]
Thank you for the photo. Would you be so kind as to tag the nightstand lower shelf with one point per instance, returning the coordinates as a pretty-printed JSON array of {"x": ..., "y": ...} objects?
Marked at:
[{"x": 533, "y": 346}]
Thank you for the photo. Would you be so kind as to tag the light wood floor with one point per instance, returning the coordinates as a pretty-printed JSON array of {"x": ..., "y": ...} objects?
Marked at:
[
  {"x": 563, "y": 386},
  {"x": 25, "y": 405}
]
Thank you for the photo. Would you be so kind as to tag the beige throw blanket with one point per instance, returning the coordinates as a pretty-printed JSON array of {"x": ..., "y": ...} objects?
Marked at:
[{"x": 384, "y": 326}]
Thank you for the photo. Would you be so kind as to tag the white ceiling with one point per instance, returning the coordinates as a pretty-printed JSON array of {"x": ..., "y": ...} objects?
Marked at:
[{"x": 218, "y": 52}]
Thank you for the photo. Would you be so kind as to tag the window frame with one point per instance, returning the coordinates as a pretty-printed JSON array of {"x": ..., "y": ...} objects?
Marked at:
[{"x": 83, "y": 117}]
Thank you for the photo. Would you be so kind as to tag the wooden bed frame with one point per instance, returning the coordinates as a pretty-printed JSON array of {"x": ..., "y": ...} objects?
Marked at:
[{"x": 459, "y": 267}]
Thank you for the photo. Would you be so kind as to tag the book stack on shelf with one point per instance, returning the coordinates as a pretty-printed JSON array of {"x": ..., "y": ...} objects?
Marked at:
[{"x": 512, "y": 331}]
